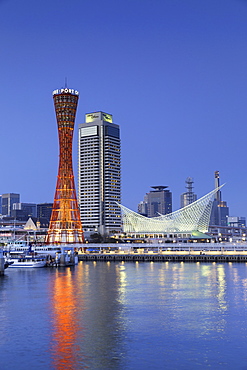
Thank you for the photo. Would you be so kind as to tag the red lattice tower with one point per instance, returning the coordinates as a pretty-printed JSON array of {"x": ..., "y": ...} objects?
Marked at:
[{"x": 65, "y": 224}]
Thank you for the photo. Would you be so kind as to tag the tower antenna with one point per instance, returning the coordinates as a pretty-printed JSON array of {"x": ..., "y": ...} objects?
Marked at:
[{"x": 66, "y": 82}]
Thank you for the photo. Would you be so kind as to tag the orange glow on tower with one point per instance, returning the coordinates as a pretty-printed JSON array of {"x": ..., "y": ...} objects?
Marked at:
[{"x": 65, "y": 224}]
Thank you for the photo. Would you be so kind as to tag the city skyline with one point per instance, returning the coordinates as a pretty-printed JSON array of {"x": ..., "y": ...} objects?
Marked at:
[{"x": 171, "y": 73}]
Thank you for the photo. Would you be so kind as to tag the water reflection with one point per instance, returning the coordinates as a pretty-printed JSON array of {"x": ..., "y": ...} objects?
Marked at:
[
  {"x": 87, "y": 320},
  {"x": 184, "y": 293},
  {"x": 221, "y": 278},
  {"x": 104, "y": 316},
  {"x": 4, "y": 317},
  {"x": 124, "y": 316},
  {"x": 121, "y": 271},
  {"x": 65, "y": 326}
]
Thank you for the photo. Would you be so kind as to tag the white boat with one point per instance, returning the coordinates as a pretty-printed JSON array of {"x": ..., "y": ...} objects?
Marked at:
[
  {"x": 26, "y": 261},
  {"x": 17, "y": 245},
  {"x": 23, "y": 246},
  {"x": 51, "y": 250}
]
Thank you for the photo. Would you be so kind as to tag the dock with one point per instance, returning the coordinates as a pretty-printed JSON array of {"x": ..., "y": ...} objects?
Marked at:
[{"x": 160, "y": 257}]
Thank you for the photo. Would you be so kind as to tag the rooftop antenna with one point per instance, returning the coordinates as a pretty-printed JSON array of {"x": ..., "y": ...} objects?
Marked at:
[
  {"x": 217, "y": 196},
  {"x": 65, "y": 82}
]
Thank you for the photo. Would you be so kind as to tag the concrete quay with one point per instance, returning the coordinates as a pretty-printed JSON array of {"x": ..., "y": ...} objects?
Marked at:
[
  {"x": 161, "y": 257},
  {"x": 63, "y": 260}
]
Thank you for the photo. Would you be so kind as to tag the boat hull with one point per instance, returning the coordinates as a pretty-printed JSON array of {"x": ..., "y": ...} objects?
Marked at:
[{"x": 25, "y": 263}]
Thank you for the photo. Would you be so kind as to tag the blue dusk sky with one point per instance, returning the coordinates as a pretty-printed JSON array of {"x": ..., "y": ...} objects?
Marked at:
[{"x": 173, "y": 73}]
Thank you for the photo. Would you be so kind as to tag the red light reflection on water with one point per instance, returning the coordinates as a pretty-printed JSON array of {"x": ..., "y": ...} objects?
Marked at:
[{"x": 65, "y": 327}]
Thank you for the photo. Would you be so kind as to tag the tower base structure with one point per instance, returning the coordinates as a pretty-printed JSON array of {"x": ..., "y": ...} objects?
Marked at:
[{"x": 64, "y": 236}]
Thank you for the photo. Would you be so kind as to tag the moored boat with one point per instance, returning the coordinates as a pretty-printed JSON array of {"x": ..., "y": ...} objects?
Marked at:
[
  {"x": 22, "y": 246},
  {"x": 50, "y": 250},
  {"x": 26, "y": 261}
]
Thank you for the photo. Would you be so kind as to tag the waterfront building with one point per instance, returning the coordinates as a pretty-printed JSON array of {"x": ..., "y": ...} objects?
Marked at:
[
  {"x": 44, "y": 210},
  {"x": 8, "y": 200},
  {"x": 23, "y": 229},
  {"x": 234, "y": 230},
  {"x": 220, "y": 210},
  {"x": 34, "y": 223},
  {"x": 99, "y": 177},
  {"x": 65, "y": 224},
  {"x": 157, "y": 201},
  {"x": 234, "y": 221},
  {"x": 194, "y": 217},
  {"x": 232, "y": 234},
  {"x": 189, "y": 196}
]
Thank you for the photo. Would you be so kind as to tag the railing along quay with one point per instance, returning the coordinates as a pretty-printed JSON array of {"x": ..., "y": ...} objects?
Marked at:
[{"x": 158, "y": 257}]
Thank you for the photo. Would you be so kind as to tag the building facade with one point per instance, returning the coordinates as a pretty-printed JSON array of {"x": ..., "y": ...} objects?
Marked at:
[
  {"x": 99, "y": 177},
  {"x": 156, "y": 202},
  {"x": 142, "y": 208},
  {"x": 235, "y": 221},
  {"x": 8, "y": 200},
  {"x": 189, "y": 196},
  {"x": 22, "y": 211},
  {"x": 44, "y": 210}
]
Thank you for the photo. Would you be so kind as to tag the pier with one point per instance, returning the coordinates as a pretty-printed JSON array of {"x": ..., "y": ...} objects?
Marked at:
[
  {"x": 158, "y": 257},
  {"x": 195, "y": 252},
  {"x": 65, "y": 259}
]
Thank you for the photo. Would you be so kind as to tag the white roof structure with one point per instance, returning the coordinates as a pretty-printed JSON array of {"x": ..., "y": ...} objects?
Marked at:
[{"x": 193, "y": 217}]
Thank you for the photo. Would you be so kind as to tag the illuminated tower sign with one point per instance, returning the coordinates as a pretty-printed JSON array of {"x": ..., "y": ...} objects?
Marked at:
[{"x": 65, "y": 225}]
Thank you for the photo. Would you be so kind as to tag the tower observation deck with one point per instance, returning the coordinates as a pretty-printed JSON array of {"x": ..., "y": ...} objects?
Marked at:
[{"x": 65, "y": 224}]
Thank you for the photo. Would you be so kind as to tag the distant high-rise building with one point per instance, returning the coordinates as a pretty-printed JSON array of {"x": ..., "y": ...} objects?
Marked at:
[
  {"x": 0, "y": 204},
  {"x": 220, "y": 211},
  {"x": 99, "y": 180},
  {"x": 189, "y": 196},
  {"x": 8, "y": 200},
  {"x": 44, "y": 210},
  {"x": 142, "y": 208},
  {"x": 157, "y": 201},
  {"x": 21, "y": 211}
]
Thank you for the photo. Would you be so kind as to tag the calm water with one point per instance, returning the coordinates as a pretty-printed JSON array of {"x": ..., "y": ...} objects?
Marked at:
[{"x": 109, "y": 315}]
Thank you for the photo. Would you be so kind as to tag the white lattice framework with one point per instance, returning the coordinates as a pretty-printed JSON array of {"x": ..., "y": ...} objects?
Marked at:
[{"x": 193, "y": 217}]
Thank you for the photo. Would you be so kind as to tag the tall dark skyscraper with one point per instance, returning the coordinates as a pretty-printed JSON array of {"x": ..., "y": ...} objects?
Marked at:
[{"x": 99, "y": 179}]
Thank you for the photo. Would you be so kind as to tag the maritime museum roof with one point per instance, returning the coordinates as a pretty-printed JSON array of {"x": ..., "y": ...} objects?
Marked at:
[{"x": 195, "y": 216}]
